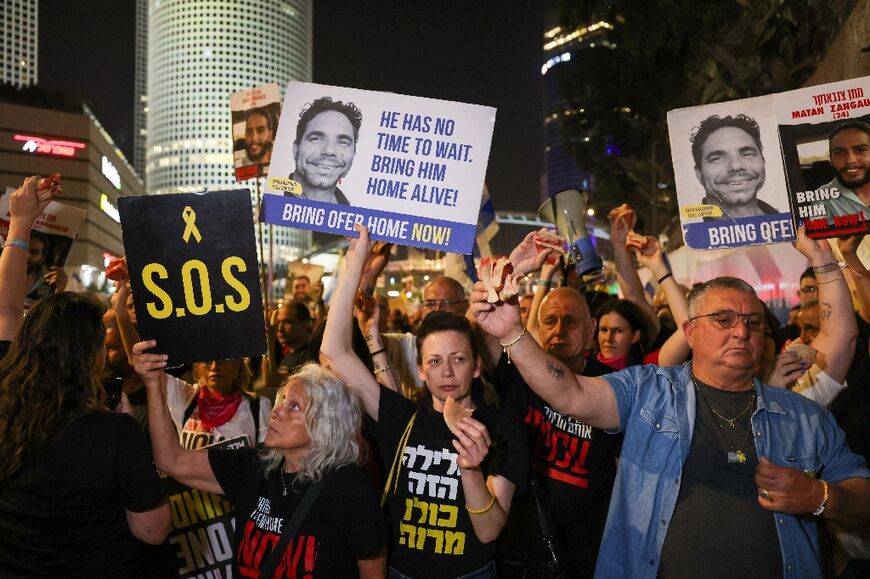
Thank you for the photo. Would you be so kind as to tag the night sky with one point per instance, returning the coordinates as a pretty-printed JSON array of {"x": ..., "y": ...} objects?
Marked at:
[{"x": 482, "y": 52}]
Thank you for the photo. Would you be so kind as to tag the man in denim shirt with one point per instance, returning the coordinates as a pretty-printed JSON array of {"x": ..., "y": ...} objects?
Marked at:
[{"x": 720, "y": 475}]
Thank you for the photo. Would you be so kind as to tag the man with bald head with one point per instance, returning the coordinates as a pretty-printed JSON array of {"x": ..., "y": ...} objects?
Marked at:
[{"x": 572, "y": 465}]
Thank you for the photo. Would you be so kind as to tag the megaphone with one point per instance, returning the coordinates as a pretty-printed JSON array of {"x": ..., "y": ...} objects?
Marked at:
[{"x": 567, "y": 211}]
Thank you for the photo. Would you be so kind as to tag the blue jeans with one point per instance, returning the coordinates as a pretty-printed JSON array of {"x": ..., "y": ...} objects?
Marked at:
[{"x": 487, "y": 572}]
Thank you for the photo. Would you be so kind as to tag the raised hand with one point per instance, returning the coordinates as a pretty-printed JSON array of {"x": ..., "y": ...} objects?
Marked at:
[
  {"x": 526, "y": 257},
  {"x": 786, "y": 490}
]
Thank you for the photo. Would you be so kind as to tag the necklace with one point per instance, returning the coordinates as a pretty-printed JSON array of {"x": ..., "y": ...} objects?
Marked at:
[
  {"x": 735, "y": 455},
  {"x": 283, "y": 484}
]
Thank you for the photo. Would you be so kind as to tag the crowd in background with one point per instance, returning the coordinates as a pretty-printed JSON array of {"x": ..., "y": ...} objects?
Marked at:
[{"x": 675, "y": 432}]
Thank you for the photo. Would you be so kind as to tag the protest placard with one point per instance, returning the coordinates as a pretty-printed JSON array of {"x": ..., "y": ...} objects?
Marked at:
[
  {"x": 731, "y": 187},
  {"x": 51, "y": 240},
  {"x": 255, "y": 113},
  {"x": 825, "y": 139},
  {"x": 201, "y": 541},
  {"x": 194, "y": 274},
  {"x": 410, "y": 168}
]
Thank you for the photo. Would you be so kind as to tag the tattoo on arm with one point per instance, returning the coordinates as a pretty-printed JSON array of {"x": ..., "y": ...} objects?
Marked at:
[
  {"x": 556, "y": 370},
  {"x": 825, "y": 311}
]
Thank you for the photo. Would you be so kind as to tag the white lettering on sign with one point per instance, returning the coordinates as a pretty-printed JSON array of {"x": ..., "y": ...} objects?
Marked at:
[{"x": 111, "y": 173}]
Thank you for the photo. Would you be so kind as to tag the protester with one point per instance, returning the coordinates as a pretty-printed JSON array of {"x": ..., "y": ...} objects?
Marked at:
[
  {"x": 680, "y": 472},
  {"x": 78, "y": 490},
  {"x": 465, "y": 496},
  {"x": 311, "y": 443},
  {"x": 622, "y": 335}
]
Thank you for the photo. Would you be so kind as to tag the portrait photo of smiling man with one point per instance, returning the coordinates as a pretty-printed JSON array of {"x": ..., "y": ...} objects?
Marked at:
[
  {"x": 324, "y": 148},
  {"x": 730, "y": 165}
]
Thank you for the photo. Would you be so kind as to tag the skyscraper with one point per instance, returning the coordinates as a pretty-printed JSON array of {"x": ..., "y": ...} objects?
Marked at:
[
  {"x": 140, "y": 88},
  {"x": 198, "y": 53},
  {"x": 566, "y": 52},
  {"x": 20, "y": 34}
]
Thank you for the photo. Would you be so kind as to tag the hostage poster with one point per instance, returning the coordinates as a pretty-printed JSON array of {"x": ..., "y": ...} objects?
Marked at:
[{"x": 410, "y": 168}]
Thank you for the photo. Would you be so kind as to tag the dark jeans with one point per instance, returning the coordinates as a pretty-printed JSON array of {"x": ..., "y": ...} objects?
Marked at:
[{"x": 487, "y": 572}]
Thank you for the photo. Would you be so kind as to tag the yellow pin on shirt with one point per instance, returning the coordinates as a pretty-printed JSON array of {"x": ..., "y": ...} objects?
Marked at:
[{"x": 189, "y": 217}]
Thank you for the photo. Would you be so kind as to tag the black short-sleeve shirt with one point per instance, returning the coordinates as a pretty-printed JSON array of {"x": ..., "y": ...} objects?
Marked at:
[
  {"x": 432, "y": 531},
  {"x": 63, "y": 513},
  {"x": 345, "y": 523}
]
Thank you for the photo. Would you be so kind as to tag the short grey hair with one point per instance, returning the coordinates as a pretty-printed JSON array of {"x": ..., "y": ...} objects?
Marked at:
[
  {"x": 699, "y": 291},
  {"x": 333, "y": 420}
]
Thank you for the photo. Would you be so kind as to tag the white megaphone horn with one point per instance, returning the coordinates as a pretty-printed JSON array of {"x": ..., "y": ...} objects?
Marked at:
[{"x": 567, "y": 211}]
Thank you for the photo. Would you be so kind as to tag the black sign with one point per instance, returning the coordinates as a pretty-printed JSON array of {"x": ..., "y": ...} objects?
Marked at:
[{"x": 194, "y": 273}]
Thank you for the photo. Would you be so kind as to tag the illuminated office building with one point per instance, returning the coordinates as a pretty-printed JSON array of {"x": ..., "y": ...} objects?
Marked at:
[
  {"x": 19, "y": 35},
  {"x": 199, "y": 52}
]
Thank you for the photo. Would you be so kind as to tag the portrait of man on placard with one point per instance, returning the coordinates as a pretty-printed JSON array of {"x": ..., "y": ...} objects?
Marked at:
[
  {"x": 324, "y": 149},
  {"x": 254, "y": 131},
  {"x": 849, "y": 155},
  {"x": 730, "y": 165}
]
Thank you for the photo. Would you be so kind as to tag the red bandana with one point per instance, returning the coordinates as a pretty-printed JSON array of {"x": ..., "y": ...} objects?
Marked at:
[
  {"x": 216, "y": 410},
  {"x": 618, "y": 363}
]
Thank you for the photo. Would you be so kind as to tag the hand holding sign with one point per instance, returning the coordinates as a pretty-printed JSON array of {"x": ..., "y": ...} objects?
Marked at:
[{"x": 197, "y": 291}]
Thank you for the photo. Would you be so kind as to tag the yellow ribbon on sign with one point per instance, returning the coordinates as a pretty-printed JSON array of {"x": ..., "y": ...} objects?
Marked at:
[{"x": 189, "y": 217}]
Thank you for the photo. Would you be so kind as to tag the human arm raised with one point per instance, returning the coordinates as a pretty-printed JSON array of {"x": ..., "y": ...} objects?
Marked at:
[
  {"x": 367, "y": 316},
  {"x": 838, "y": 330},
  {"x": 676, "y": 349},
  {"x": 337, "y": 345},
  {"x": 591, "y": 400},
  {"x": 860, "y": 275},
  {"x": 622, "y": 220},
  {"x": 189, "y": 467},
  {"x": 25, "y": 204}
]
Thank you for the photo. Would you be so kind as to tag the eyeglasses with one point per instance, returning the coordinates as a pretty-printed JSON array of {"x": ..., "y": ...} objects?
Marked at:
[
  {"x": 442, "y": 304},
  {"x": 810, "y": 289},
  {"x": 727, "y": 319}
]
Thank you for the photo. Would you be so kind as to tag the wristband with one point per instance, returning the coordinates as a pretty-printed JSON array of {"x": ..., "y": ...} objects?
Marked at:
[
  {"x": 543, "y": 282},
  {"x": 376, "y": 352},
  {"x": 384, "y": 369},
  {"x": 664, "y": 277},
  {"x": 19, "y": 243},
  {"x": 838, "y": 278},
  {"x": 830, "y": 266},
  {"x": 824, "y": 504}
]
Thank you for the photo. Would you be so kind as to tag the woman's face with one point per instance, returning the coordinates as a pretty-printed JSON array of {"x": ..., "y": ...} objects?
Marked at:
[
  {"x": 615, "y": 335},
  {"x": 287, "y": 428},
  {"x": 219, "y": 376},
  {"x": 448, "y": 366}
]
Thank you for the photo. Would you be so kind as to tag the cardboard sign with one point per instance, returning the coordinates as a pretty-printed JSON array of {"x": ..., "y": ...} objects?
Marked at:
[
  {"x": 255, "y": 113},
  {"x": 201, "y": 540},
  {"x": 731, "y": 187},
  {"x": 194, "y": 273},
  {"x": 823, "y": 148},
  {"x": 410, "y": 168},
  {"x": 54, "y": 232}
]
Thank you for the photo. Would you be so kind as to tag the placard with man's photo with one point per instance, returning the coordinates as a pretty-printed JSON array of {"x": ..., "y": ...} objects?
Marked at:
[
  {"x": 825, "y": 135},
  {"x": 255, "y": 114},
  {"x": 731, "y": 187}
]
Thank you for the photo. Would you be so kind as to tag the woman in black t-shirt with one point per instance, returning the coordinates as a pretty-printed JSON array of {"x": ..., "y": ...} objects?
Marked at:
[
  {"x": 311, "y": 443},
  {"x": 449, "y": 491},
  {"x": 77, "y": 484}
]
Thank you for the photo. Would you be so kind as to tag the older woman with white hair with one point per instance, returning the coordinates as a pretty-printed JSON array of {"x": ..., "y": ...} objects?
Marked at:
[{"x": 304, "y": 506}]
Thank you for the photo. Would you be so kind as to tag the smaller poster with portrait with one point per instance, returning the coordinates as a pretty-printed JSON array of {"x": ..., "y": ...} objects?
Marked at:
[
  {"x": 51, "y": 241},
  {"x": 825, "y": 135},
  {"x": 731, "y": 186},
  {"x": 194, "y": 274},
  {"x": 410, "y": 168},
  {"x": 255, "y": 113}
]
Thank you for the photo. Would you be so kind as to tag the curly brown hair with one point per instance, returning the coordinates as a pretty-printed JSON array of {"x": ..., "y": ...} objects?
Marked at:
[{"x": 50, "y": 376}]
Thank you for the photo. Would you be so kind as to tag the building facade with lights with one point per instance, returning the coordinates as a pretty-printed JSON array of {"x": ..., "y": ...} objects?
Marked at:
[
  {"x": 199, "y": 52},
  {"x": 563, "y": 52},
  {"x": 39, "y": 141},
  {"x": 19, "y": 34}
]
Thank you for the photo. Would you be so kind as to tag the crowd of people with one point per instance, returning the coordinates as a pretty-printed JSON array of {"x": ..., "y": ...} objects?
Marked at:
[{"x": 563, "y": 433}]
